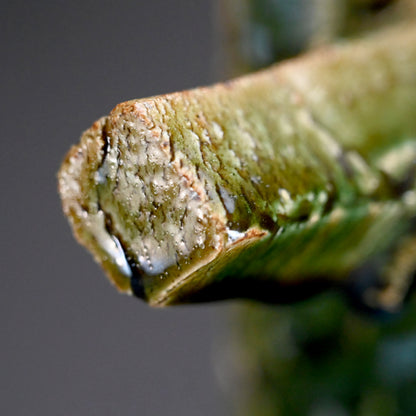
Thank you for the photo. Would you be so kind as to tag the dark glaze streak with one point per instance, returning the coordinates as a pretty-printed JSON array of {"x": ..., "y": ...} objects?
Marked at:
[{"x": 136, "y": 280}]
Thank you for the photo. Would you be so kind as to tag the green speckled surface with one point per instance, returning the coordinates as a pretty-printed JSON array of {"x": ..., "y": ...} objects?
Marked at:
[{"x": 289, "y": 174}]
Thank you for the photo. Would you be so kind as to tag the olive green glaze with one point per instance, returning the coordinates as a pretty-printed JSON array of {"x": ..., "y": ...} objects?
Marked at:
[{"x": 286, "y": 175}]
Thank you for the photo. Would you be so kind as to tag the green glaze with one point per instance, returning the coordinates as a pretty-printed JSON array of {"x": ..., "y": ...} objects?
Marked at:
[{"x": 290, "y": 174}]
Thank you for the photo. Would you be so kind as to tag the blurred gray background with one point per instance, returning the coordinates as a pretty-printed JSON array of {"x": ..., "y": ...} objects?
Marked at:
[{"x": 70, "y": 345}]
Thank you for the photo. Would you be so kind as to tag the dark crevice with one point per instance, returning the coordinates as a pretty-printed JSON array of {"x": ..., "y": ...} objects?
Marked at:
[
  {"x": 136, "y": 278},
  {"x": 399, "y": 186},
  {"x": 263, "y": 290},
  {"x": 329, "y": 203},
  {"x": 371, "y": 7},
  {"x": 106, "y": 141}
]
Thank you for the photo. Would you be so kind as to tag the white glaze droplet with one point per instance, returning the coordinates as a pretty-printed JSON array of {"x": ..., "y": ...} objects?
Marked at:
[
  {"x": 234, "y": 235},
  {"x": 120, "y": 258},
  {"x": 109, "y": 243}
]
